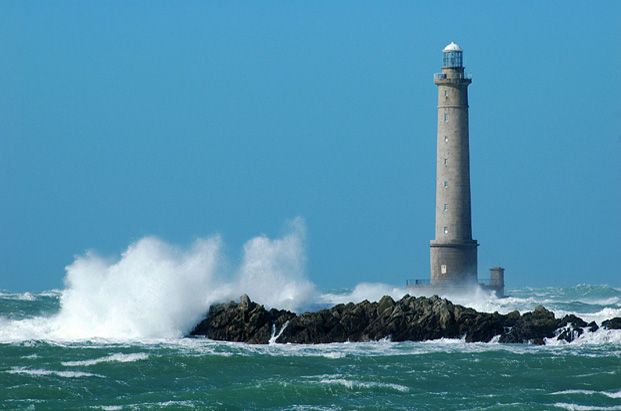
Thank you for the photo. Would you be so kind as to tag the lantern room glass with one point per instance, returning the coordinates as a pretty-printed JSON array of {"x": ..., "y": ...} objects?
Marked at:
[{"x": 452, "y": 59}]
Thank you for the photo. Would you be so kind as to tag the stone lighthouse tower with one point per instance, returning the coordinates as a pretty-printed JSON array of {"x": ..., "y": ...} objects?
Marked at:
[{"x": 453, "y": 251}]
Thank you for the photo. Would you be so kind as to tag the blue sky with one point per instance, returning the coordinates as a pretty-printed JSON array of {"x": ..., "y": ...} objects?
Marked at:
[{"x": 184, "y": 119}]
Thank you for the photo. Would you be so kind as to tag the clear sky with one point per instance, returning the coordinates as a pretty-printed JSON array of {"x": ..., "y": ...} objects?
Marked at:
[{"x": 183, "y": 119}]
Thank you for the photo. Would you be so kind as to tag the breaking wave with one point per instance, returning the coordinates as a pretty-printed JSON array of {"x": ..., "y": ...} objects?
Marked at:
[
  {"x": 43, "y": 372},
  {"x": 360, "y": 385},
  {"x": 119, "y": 357},
  {"x": 590, "y": 302},
  {"x": 615, "y": 394},
  {"x": 155, "y": 290}
]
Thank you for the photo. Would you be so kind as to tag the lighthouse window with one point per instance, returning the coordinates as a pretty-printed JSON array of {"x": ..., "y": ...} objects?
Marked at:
[
  {"x": 445, "y": 160},
  {"x": 445, "y": 206},
  {"x": 445, "y": 139},
  {"x": 445, "y": 93},
  {"x": 445, "y": 230},
  {"x": 443, "y": 268},
  {"x": 445, "y": 184},
  {"x": 445, "y": 117}
]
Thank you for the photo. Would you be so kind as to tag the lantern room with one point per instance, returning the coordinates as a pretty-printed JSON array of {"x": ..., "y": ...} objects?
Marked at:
[{"x": 453, "y": 56}]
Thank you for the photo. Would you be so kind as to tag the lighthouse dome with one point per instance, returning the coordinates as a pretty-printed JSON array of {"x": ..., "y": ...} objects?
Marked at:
[{"x": 452, "y": 46}]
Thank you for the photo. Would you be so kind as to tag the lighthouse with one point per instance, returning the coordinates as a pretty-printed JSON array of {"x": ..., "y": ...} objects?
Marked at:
[{"x": 453, "y": 251}]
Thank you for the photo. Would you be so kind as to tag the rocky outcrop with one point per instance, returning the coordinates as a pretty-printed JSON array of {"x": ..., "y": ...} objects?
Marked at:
[
  {"x": 532, "y": 327},
  {"x": 612, "y": 324},
  {"x": 246, "y": 322},
  {"x": 409, "y": 319}
]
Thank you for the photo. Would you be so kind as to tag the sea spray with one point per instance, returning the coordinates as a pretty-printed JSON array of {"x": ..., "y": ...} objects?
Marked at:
[
  {"x": 154, "y": 290},
  {"x": 158, "y": 290},
  {"x": 202, "y": 374},
  {"x": 272, "y": 271},
  {"x": 22, "y": 320},
  {"x": 365, "y": 291},
  {"x": 590, "y": 302}
]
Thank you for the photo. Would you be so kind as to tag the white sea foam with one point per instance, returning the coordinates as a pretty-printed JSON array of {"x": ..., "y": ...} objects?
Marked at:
[
  {"x": 154, "y": 290},
  {"x": 51, "y": 293},
  {"x": 157, "y": 290},
  {"x": 355, "y": 385},
  {"x": 118, "y": 357},
  {"x": 43, "y": 372},
  {"x": 487, "y": 301},
  {"x": 27, "y": 296},
  {"x": 272, "y": 271},
  {"x": 275, "y": 336},
  {"x": 578, "y": 407},
  {"x": 601, "y": 336},
  {"x": 333, "y": 355},
  {"x": 364, "y": 291},
  {"x": 597, "y": 309},
  {"x": 597, "y": 316},
  {"x": 348, "y": 349},
  {"x": 475, "y": 297},
  {"x": 616, "y": 394},
  {"x": 149, "y": 405}
]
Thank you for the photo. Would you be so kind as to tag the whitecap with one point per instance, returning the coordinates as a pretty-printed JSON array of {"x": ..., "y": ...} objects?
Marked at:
[
  {"x": 578, "y": 407},
  {"x": 26, "y": 296},
  {"x": 51, "y": 293},
  {"x": 44, "y": 372},
  {"x": 333, "y": 355},
  {"x": 119, "y": 357},
  {"x": 354, "y": 384},
  {"x": 616, "y": 394},
  {"x": 599, "y": 337}
]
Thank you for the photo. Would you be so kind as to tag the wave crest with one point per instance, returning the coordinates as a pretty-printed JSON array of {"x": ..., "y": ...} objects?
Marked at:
[{"x": 157, "y": 290}]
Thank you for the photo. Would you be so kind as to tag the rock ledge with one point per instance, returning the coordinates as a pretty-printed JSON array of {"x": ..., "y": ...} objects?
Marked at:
[{"x": 408, "y": 319}]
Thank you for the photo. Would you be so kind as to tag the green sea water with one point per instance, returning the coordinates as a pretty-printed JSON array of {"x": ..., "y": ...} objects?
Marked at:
[{"x": 42, "y": 370}]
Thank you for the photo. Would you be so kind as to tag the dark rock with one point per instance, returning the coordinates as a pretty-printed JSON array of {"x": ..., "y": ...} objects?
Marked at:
[
  {"x": 244, "y": 322},
  {"x": 385, "y": 305},
  {"x": 593, "y": 326},
  {"x": 570, "y": 327},
  {"x": 482, "y": 327},
  {"x": 409, "y": 319},
  {"x": 532, "y": 327},
  {"x": 573, "y": 320},
  {"x": 512, "y": 318},
  {"x": 569, "y": 333},
  {"x": 612, "y": 324}
]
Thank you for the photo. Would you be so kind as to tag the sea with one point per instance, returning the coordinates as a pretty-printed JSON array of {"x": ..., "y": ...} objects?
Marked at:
[{"x": 68, "y": 350}]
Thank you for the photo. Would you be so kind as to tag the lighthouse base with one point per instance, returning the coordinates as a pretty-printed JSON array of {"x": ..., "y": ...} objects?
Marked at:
[{"x": 453, "y": 262}]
